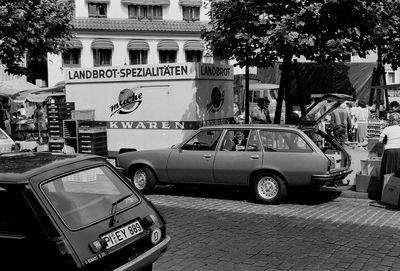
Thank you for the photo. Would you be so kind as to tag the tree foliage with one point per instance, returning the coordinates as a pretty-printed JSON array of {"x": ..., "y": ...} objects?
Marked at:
[
  {"x": 261, "y": 32},
  {"x": 31, "y": 29}
]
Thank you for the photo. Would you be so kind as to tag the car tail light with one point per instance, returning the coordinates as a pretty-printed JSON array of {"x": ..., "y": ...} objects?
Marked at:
[
  {"x": 331, "y": 164},
  {"x": 155, "y": 236},
  {"x": 98, "y": 245}
]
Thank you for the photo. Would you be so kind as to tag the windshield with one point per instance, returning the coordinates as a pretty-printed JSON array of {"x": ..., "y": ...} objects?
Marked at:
[{"x": 87, "y": 196}]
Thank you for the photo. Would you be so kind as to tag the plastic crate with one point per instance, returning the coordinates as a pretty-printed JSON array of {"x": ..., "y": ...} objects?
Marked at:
[
  {"x": 82, "y": 114},
  {"x": 93, "y": 136}
]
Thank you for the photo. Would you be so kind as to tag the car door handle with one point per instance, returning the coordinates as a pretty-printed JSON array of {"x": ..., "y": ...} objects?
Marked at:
[
  {"x": 207, "y": 155},
  {"x": 255, "y": 157}
]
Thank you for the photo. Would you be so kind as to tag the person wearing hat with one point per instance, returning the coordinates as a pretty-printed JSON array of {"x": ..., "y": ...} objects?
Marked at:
[{"x": 390, "y": 137}]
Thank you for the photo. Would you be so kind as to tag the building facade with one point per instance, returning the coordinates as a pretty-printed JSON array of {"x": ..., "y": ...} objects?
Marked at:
[{"x": 129, "y": 32}]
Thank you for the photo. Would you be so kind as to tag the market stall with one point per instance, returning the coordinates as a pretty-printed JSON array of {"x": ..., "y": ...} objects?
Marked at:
[
  {"x": 29, "y": 122},
  {"x": 367, "y": 180}
]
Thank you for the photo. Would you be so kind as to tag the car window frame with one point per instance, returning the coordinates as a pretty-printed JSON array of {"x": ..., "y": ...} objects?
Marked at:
[
  {"x": 265, "y": 149},
  {"x": 80, "y": 169},
  {"x": 217, "y": 143},
  {"x": 249, "y": 131}
]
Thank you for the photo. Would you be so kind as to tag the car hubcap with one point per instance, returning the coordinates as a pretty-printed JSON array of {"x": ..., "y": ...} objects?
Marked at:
[
  {"x": 268, "y": 188},
  {"x": 140, "y": 179}
]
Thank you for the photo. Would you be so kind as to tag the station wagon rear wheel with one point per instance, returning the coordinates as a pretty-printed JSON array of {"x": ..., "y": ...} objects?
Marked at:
[
  {"x": 143, "y": 179},
  {"x": 269, "y": 188}
]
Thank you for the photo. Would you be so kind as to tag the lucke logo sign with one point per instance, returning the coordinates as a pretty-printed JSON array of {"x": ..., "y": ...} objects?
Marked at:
[{"x": 129, "y": 100}]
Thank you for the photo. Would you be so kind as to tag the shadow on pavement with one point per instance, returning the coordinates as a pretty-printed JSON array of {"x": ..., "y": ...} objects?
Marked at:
[{"x": 304, "y": 196}]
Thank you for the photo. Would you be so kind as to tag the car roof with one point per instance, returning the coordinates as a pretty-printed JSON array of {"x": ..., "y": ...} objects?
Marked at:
[
  {"x": 18, "y": 167},
  {"x": 249, "y": 126}
]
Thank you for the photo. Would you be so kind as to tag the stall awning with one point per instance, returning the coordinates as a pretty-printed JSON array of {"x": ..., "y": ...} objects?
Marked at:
[
  {"x": 190, "y": 3},
  {"x": 22, "y": 96},
  {"x": 102, "y": 44},
  {"x": 146, "y": 2},
  {"x": 11, "y": 87},
  {"x": 74, "y": 44},
  {"x": 193, "y": 45},
  {"x": 41, "y": 97},
  {"x": 167, "y": 45},
  {"x": 138, "y": 45},
  {"x": 98, "y": 1}
]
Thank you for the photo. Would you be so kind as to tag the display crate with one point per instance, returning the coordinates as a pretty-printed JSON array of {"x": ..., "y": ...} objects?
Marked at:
[
  {"x": 70, "y": 128},
  {"x": 92, "y": 136},
  {"x": 82, "y": 114},
  {"x": 375, "y": 128}
]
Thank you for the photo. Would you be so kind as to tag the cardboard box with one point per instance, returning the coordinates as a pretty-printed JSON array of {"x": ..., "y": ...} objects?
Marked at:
[
  {"x": 367, "y": 184},
  {"x": 391, "y": 190},
  {"x": 371, "y": 166}
]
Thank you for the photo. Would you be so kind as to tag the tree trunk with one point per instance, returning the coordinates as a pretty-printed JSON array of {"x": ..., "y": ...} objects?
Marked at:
[
  {"x": 284, "y": 91},
  {"x": 247, "y": 96}
]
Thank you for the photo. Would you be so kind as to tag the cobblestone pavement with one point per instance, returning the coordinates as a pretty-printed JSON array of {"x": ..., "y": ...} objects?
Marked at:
[{"x": 317, "y": 232}]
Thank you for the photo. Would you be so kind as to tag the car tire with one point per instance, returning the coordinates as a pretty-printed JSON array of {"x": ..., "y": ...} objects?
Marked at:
[
  {"x": 143, "y": 179},
  {"x": 269, "y": 188}
]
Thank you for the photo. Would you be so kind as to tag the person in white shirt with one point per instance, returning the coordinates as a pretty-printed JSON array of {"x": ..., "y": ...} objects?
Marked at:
[
  {"x": 390, "y": 137},
  {"x": 361, "y": 122}
]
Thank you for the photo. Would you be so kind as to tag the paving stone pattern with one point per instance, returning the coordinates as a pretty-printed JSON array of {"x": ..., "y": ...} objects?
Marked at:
[{"x": 223, "y": 234}]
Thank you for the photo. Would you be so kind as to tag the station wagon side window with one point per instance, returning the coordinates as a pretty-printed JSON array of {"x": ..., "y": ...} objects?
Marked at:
[
  {"x": 283, "y": 141},
  {"x": 86, "y": 196},
  {"x": 205, "y": 140},
  {"x": 240, "y": 140}
]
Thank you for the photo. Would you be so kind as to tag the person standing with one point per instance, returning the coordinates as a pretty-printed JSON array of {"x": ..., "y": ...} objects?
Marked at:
[
  {"x": 3, "y": 117},
  {"x": 236, "y": 112},
  {"x": 361, "y": 125},
  {"x": 390, "y": 137},
  {"x": 260, "y": 114},
  {"x": 351, "y": 110},
  {"x": 340, "y": 122}
]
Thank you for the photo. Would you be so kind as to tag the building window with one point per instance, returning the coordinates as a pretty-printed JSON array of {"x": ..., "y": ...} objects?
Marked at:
[
  {"x": 137, "y": 57},
  {"x": 72, "y": 58},
  {"x": 97, "y": 10},
  {"x": 145, "y": 12},
  {"x": 191, "y": 13},
  {"x": 102, "y": 57},
  {"x": 194, "y": 56},
  {"x": 390, "y": 77},
  {"x": 167, "y": 56}
]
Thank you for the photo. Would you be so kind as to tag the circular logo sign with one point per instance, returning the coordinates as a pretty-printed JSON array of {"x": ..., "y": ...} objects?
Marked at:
[{"x": 129, "y": 99}]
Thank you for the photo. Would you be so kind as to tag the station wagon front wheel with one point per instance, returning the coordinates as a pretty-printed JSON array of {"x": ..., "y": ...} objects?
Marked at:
[
  {"x": 269, "y": 188},
  {"x": 143, "y": 179}
]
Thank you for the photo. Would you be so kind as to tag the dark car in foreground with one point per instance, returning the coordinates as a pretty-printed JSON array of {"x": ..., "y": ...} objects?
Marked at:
[
  {"x": 273, "y": 158},
  {"x": 74, "y": 212}
]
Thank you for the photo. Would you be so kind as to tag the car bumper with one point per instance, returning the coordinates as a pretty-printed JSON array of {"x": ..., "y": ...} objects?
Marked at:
[
  {"x": 331, "y": 177},
  {"x": 146, "y": 258}
]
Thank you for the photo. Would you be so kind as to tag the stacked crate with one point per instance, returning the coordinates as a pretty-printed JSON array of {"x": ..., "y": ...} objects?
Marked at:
[
  {"x": 57, "y": 112},
  {"x": 92, "y": 137}
]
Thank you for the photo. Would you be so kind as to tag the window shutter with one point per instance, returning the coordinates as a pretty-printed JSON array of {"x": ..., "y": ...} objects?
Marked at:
[
  {"x": 186, "y": 13},
  {"x": 196, "y": 13},
  {"x": 92, "y": 10},
  {"x": 150, "y": 12},
  {"x": 96, "y": 57}
]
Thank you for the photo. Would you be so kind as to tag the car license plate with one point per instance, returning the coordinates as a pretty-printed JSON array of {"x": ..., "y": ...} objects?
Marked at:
[{"x": 124, "y": 233}]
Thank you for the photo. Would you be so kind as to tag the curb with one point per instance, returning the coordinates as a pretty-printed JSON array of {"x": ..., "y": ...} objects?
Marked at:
[{"x": 348, "y": 191}]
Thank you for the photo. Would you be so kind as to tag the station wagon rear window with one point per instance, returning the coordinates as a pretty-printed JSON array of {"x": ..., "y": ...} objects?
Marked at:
[
  {"x": 283, "y": 141},
  {"x": 87, "y": 196}
]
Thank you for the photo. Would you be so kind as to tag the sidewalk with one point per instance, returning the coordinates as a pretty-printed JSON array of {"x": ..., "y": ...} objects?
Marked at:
[{"x": 348, "y": 191}]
